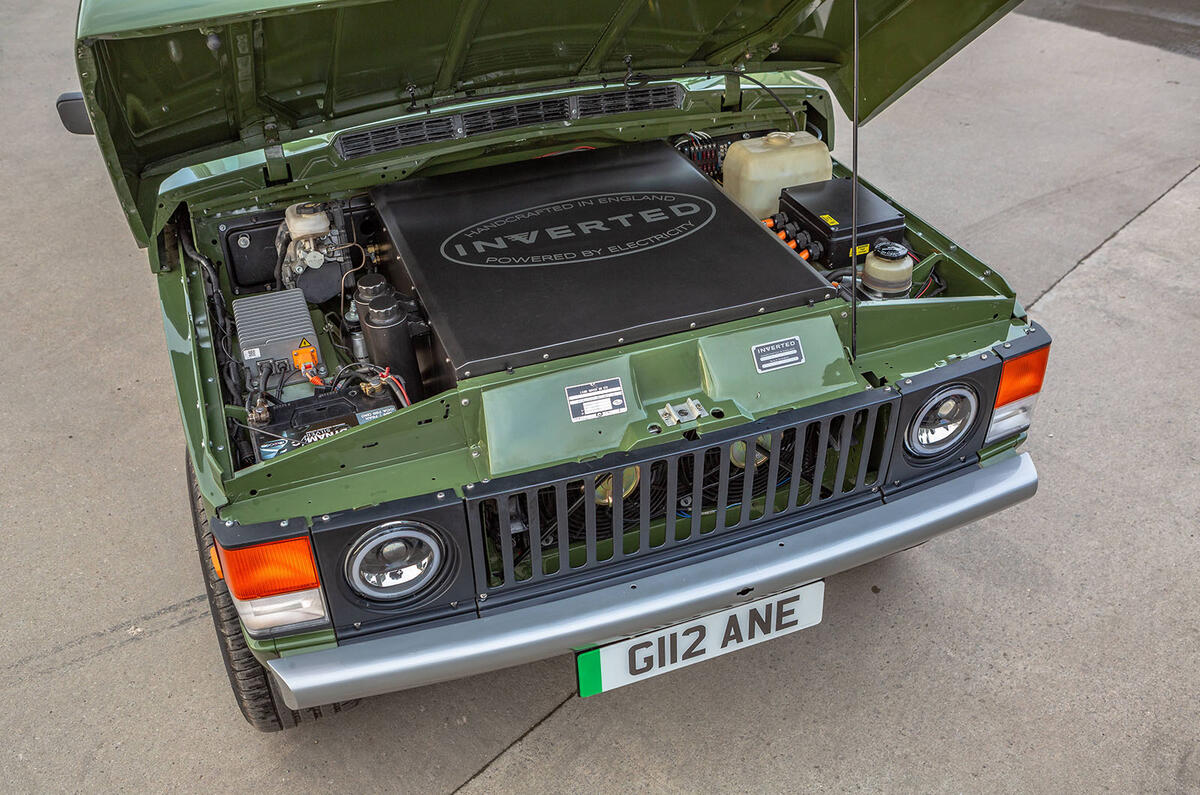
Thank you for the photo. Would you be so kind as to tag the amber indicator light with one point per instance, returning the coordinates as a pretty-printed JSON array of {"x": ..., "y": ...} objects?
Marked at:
[
  {"x": 269, "y": 569},
  {"x": 1022, "y": 376}
]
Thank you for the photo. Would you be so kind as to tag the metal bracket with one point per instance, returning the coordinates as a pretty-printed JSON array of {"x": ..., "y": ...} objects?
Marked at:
[
  {"x": 277, "y": 166},
  {"x": 688, "y": 411}
]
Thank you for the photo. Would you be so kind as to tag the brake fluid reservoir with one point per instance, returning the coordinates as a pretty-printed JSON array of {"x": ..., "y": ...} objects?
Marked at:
[
  {"x": 888, "y": 269},
  {"x": 757, "y": 169}
]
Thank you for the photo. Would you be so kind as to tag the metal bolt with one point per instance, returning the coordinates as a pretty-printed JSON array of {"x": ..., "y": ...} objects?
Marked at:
[
  {"x": 826, "y": 296},
  {"x": 693, "y": 325},
  {"x": 209, "y": 379},
  {"x": 220, "y": 448},
  {"x": 908, "y": 380},
  {"x": 222, "y": 227},
  {"x": 620, "y": 340},
  {"x": 470, "y": 486},
  {"x": 874, "y": 489},
  {"x": 441, "y": 495},
  {"x": 243, "y": 241},
  {"x": 467, "y": 374},
  {"x": 325, "y": 517},
  {"x": 761, "y": 309},
  {"x": 482, "y": 597},
  {"x": 987, "y": 273},
  {"x": 283, "y": 523},
  {"x": 1008, "y": 345},
  {"x": 895, "y": 483},
  {"x": 887, "y": 389},
  {"x": 962, "y": 458},
  {"x": 466, "y": 401},
  {"x": 545, "y": 356},
  {"x": 845, "y": 314},
  {"x": 229, "y": 523},
  {"x": 983, "y": 356},
  {"x": 475, "y": 454},
  {"x": 357, "y": 624}
]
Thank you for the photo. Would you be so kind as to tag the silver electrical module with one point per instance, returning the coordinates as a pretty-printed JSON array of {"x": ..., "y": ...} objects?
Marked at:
[{"x": 275, "y": 333}]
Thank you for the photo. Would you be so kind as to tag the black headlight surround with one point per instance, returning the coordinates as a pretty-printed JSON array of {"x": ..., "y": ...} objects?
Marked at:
[
  {"x": 980, "y": 373},
  {"x": 450, "y": 592}
]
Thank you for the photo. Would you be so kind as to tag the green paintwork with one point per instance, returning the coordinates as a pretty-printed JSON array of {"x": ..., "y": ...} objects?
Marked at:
[
  {"x": 442, "y": 444},
  {"x": 272, "y": 648},
  {"x": 174, "y": 84}
]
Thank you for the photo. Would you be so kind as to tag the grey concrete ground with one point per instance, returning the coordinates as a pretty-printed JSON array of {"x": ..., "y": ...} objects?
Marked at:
[{"x": 1055, "y": 647}]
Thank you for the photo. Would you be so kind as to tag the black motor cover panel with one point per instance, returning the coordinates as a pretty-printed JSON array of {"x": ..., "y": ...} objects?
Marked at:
[{"x": 562, "y": 255}]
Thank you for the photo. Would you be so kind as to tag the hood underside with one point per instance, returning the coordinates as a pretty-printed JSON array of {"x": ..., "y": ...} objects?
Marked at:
[{"x": 172, "y": 82}]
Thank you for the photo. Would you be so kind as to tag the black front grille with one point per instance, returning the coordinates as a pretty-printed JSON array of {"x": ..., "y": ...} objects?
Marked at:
[
  {"x": 506, "y": 117},
  {"x": 578, "y": 519}
]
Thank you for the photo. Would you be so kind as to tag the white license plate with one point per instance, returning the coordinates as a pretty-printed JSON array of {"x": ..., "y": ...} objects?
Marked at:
[{"x": 663, "y": 650}]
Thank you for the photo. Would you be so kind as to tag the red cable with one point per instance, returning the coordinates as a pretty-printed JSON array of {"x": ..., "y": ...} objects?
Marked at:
[{"x": 387, "y": 375}]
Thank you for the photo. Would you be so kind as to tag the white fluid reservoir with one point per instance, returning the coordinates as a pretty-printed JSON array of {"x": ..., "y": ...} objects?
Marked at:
[{"x": 757, "y": 169}]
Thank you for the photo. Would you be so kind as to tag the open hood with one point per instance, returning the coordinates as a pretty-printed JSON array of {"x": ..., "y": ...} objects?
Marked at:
[{"x": 172, "y": 82}]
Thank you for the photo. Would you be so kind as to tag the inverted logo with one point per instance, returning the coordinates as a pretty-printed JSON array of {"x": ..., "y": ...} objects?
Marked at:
[{"x": 583, "y": 229}]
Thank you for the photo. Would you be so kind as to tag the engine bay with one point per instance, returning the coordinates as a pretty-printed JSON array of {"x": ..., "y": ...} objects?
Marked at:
[{"x": 334, "y": 314}]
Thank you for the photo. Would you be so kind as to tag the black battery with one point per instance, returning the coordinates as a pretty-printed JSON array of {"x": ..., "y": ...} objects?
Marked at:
[
  {"x": 823, "y": 209},
  {"x": 307, "y": 420}
]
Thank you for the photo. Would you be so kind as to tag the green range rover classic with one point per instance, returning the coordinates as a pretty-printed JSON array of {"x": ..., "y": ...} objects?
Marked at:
[{"x": 503, "y": 329}]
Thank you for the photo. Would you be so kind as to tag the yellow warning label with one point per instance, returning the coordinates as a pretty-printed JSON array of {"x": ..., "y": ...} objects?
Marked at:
[
  {"x": 829, "y": 219},
  {"x": 304, "y": 343},
  {"x": 863, "y": 249}
]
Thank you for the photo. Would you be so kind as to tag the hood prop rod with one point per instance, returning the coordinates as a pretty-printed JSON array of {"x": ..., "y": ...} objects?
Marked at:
[{"x": 854, "y": 200}]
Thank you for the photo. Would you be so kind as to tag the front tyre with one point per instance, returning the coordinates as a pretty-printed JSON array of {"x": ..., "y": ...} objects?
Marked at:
[{"x": 253, "y": 686}]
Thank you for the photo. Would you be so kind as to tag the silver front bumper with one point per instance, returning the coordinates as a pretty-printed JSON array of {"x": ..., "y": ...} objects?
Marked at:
[{"x": 534, "y": 632}]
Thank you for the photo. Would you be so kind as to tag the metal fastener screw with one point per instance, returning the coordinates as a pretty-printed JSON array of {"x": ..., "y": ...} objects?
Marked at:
[
  {"x": 845, "y": 314},
  {"x": 1008, "y": 345},
  {"x": 482, "y": 597},
  {"x": 357, "y": 624},
  {"x": 693, "y": 325},
  {"x": 620, "y": 340},
  {"x": 466, "y": 401},
  {"x": 887, "y": 389},
  {"x": 243, "y": 241},
  {"x": 908, "y": 380},
  {"x": 470, "y": 486},
  {"x": 475, "y": 454},
  {"x": 983, "y": 356},
  {"x": 325, "y": 517},
  {"x": 545, "y": 356},
  {"x": 220, "y": 448},
  {"x": 441, "y": 495},
  {"x": 229, "y": 523},
  {"x": 223, "y": 227},
  {"x": 762, "y": 309},
  {"x": 467, "y": 374},
  {"x": 895, "y": 483},
  {"x": 283, "y": 523},
  {"x": 962, "y": 458},
  {"x": 826, "y": 296}
]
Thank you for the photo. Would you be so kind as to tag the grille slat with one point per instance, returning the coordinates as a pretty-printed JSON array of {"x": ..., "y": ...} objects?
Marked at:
[
  {"x": 525, "y": 536},
  {"x": 537, "y": 571},
  {"x": 363, "y": 143}
]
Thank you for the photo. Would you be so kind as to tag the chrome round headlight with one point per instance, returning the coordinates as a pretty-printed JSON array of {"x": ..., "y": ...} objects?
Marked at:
[
  {"x": 393, "y": 560},
  {"x": 943, "y": 421}
]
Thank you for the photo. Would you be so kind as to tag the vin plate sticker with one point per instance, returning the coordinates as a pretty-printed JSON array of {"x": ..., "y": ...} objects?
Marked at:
[
  {"x": 597, "y": 399},
  {"x": 778, "y": 354}
]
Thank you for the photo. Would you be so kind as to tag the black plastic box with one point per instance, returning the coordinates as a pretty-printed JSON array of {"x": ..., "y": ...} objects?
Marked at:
[
  {"x": 823, "y": 208},
  {"x": 553, "y": 257}
]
